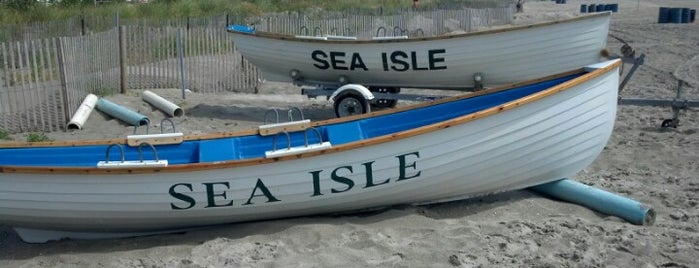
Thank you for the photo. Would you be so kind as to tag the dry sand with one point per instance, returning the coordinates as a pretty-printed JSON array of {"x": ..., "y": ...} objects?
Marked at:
[{"x": 659, "y": 167}]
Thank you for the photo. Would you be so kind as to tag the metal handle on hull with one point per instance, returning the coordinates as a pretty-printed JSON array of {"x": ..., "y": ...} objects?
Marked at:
[
  {"x": 121, "y": 149},
  {"x": 288, "y": 138},
  {"x": 298, "y": 149},
  {"x": 132, "y": 164},
  {"x": 140, "y": 151},
  {"x": 288, "y": 141},
  {"x": 291, "y": 113},
  {"x": 147, "y": 127},
  {"x": 275, "y": 112},
  {"x": 171, "y": 124}
]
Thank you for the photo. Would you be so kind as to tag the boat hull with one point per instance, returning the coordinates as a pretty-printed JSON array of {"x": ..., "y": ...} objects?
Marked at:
[
  {"x": 545, "y": 140},
  {"x": 448, "y": 62}
]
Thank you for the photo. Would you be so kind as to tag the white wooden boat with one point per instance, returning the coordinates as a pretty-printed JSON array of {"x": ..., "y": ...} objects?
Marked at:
[
  {"x": 498, "y": 56},
  {"x": 495, "y": 140}
]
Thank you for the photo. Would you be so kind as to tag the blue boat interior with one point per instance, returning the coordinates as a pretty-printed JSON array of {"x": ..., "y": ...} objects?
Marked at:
[
  {"x": 255, "y": 146},
  {"x": 241, "y": 28}
]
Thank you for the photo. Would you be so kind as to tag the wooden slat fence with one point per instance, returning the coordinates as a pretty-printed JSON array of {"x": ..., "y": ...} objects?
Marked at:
[
  {"x": 91, "y": 65},
  {"x": 43, "y": 82},
  {"x": 31, "y": 97},
  {"x": 212, "y": 65}
]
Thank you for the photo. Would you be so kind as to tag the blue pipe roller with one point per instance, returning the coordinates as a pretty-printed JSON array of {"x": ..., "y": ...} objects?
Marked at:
[
  {"x": 598, "y": 200},
  {"x": 121, "y": 113}
]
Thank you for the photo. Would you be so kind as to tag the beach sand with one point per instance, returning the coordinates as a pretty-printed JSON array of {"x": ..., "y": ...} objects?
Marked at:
[{"x": 656, "y": 166}]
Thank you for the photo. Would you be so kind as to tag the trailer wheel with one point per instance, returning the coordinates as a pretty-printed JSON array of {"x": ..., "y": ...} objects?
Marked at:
[
  {"x": 350, "y": 103},
  {"x": 384, "y": 103}
]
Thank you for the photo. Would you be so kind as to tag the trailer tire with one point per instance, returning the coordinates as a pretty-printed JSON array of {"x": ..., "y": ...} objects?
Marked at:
[{"x": 350, "y": 103}]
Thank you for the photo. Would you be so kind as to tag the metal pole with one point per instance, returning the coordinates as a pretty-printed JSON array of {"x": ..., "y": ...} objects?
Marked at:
[
  {"x": 122, "y": 59},
  {"x": 62, "y": 77},
  {"x": 82, "y": 24},
  {"x": 180, "y": 55},
  {"x": 636, "y": 63}
]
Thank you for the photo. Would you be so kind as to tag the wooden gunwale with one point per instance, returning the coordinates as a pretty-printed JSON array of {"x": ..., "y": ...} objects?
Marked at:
[
  {"x": 339, "y": 148},
  {"x": 288, "y": 37}
]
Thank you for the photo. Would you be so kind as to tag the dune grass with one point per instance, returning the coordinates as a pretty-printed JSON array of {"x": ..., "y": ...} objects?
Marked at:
[
  {"x": 26, "y": 11},
  {"x": 4, "y": 135}
]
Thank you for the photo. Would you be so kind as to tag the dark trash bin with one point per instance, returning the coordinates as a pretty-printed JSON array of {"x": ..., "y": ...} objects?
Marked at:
[
  {"x": 600, "y": 7},
  {"x": 615, "y": 8},
  {"x": 686, "y": 12},
  {"x": 663, "y": 15},
  {"x": 675, "y": 15}
]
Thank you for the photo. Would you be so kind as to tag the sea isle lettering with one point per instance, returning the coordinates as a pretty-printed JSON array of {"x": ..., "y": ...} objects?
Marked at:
[
  {"x": 215, "y": 194},
  {"x": 398, "y": 61},
  {"x": 338, "y": 178}
]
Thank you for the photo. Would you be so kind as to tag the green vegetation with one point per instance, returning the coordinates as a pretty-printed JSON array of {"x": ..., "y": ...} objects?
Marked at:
[
  {"x": 4, "y": 135},
  {"x": 37, "y": 137},
  {"x": 105, "y": 92},
  {"x": 25, "y": 11}
]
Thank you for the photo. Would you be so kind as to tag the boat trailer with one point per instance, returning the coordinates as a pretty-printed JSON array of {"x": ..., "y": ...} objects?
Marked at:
[
  {"x": 677, "y": 104},
  {"x": 628, "y": 55},
  {"x": 352, "y": 99}
]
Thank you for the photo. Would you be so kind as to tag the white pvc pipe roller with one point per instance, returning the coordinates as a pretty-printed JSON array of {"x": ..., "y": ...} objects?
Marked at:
[
  {"x": 162, "y": 104},
  {"x": 83, "y": 112}
]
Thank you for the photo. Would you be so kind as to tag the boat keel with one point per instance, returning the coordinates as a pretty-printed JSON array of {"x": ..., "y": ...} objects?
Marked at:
[{"x": 40, "y": 236}]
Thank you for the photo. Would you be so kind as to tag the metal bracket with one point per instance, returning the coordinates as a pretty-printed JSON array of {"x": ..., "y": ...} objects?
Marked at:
[
  {"x": 628, "y": 55},
  {"x": 677, "y": 104},
  {"x": 637, "y": 62}
]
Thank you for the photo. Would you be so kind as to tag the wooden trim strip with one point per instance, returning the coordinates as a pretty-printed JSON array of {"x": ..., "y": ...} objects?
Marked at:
[
  {"x": 293, "y": 126},
  {"x": 155, "y": 139}
]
